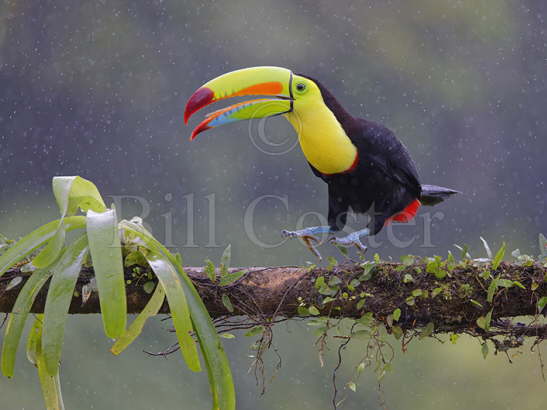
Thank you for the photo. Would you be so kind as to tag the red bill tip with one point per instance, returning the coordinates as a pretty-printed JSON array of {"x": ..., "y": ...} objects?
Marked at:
[
  {"x": 202, "y": 126},
  {"x": 202, "y": 97}
]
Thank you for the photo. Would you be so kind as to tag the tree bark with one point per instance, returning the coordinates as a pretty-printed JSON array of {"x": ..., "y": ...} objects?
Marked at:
[{"x": 453, "y": 303}]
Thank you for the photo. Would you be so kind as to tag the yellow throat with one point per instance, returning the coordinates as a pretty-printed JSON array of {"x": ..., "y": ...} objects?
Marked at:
[{"x": 324, "y": 142}]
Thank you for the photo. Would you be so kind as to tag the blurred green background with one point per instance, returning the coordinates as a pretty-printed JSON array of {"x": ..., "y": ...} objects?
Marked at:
[{"x": 97, "y": 89}]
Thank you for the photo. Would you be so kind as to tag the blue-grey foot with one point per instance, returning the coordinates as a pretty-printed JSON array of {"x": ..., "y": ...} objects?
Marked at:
[
  {"x": 353, "y": 239},
  {"x": 307, "y": 236}
]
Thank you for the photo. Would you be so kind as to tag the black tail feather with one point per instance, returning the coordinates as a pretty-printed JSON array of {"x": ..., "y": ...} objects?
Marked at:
[{"x": 433, "y": 194}]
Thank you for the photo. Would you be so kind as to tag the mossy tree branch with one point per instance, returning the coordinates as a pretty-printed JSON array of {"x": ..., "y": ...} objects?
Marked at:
[{"x": 453, "y": 303}]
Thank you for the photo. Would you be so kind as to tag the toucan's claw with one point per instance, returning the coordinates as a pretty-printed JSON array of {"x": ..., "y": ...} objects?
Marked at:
[{"x": 309, "y": 240}]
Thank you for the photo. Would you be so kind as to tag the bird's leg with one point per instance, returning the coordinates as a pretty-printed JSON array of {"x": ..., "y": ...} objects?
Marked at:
[
  {"x": 352, "y": 239},
  {"x": 312, "y": 230},
  {"x": 307, "y": 236}
]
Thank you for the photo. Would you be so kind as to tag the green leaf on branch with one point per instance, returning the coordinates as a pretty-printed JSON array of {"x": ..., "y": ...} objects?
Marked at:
[
  {"x": 225, "y": 260},
  {"x": 51, "y": 386},
  {"x": 34, "y": 240},
  {"x": 106, "y": 254},
  {"x": 499, "y": 256},
  {"x": 396, "y": 314},
  {"x": 492, "y": 290},
  {"x": 178, "y": 306},
  {"x": 368, "y": 270},
  {"x": 71, "y": 194},
  {"x": 313, "y": 311},
  {"x": 52, "y": 250},
  {"x": 229, "y": 278},
  {"x": 218, "y": 367},
  {"x": 484, "y": 321},
  {"x": 134, "y": 330},
  {"x": 76, "y": 192},
  {"x": 134, "y": 258},
  {"x": 18, "y": 317},
  {"x": 61, "y": 289},
  {"x": 210, "y": 270}
]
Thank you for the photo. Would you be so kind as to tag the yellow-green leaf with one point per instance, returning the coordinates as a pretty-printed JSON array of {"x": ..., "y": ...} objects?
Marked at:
[
  {"x": 52, "y": 250},
  {"x": 499, "y": 256},
  {"x": 35, "y": 239},
  {"x": 51, "y": 386},
  {"x": 216, "y": 361},
  {"x": 76, "y": 192},
  {"x": 229, "y": 278},
  {"x": 18, "y": 317},
  {"x": 70, "y": 193},
  {"x": 396, "y": 314},
  {"x": 313, "y": 311},
  {"x": 178, "y": 306},
  {"x": 151, "y": 309},
  {"x": 106, "y": 255},
  {"x": 65, "y": 274}
]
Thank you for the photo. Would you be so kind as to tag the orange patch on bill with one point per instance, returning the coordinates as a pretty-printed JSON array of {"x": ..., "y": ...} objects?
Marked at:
[{"x": 269, "y": 88}]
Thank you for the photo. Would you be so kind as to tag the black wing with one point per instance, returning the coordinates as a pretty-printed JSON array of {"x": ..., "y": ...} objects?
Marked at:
[{"x": 378, "y": 145}]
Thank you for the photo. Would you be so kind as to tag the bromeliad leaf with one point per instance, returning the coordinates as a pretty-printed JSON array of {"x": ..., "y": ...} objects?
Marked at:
[
  {"x": 171, "y": 284},
  {"x": 70, "y": 193},
  {"x": 106, "y": 255},
  {"x": 52, "y": 250},
  {"x": 216, "y": 362},
  {"x": 151, "y": 309},
  {"x": 75, "y": 192},
  {"x": 34, "y": 240},
  {"x": 61, "y": 289},
  {"x": 18, "y": 318},
  {"x": 51, "y": 386}
]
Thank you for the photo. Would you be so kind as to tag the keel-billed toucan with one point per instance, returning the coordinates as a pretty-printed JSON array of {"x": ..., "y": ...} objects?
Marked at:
[{"x": 367, "y": 169}]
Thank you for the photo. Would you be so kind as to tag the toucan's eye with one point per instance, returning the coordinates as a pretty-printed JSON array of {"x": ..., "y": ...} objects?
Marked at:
[{"x": 300, "y": 87}]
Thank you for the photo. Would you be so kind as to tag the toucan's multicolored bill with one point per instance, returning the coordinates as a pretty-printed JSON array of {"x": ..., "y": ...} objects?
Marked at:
[
  {"x": 272, "y": 81},
  {"x": 259, "y": 108}
]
